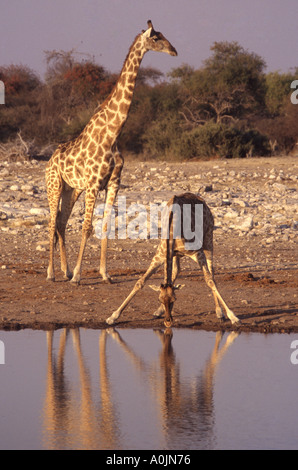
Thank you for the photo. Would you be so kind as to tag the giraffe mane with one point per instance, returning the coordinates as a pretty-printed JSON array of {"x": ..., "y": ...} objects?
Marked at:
[{"x": 101, "y": 105}]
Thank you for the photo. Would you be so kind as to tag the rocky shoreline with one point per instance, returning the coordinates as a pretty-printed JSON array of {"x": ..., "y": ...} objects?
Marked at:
[
  {"x": 249, "y": 201},
  {"x": 254, "y": 202}
]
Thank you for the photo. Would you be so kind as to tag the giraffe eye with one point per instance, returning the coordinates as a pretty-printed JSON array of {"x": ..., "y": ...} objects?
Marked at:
[{"x": 155, "y": 38}]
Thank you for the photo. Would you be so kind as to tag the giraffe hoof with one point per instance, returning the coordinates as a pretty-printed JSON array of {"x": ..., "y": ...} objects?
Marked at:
[
  {"x": 157, "y": 314},
  {"x": 51, "y": 279},
  {"x": 108, "y": 280},
  {"x": 68, "y": 275},
  {"x": 110, "y": 321}
]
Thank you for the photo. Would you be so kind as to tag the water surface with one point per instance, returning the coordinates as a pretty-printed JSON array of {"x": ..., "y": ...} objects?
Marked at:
[{"x": 144, "y": 389}]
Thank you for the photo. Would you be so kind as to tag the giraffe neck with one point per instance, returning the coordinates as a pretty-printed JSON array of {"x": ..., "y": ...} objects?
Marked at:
[{"x": 114, "y": 110}]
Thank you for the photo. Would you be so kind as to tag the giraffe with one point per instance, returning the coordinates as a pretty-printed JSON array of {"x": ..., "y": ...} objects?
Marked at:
[
  {"x": 169, "y": 253},
  {"x": 92, "y": 162}
]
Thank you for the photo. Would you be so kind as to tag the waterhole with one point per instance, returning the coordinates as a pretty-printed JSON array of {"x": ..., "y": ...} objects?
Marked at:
[{"x": 144, "y": 389}]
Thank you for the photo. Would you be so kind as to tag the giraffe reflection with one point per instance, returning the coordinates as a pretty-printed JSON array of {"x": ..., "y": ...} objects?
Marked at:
[
  {"x": 70, "y": 422},
  {"x": 94, "y": 420},
  {"x": 184, "y": 409}
]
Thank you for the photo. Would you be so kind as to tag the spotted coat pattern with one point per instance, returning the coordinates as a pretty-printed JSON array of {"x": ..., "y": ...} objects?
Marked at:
[
  {"x": 169, "y": 253},
  {"x": 92, "y": 162}
]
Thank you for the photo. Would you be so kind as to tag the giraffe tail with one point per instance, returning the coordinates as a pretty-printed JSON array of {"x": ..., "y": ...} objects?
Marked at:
[{"x": 56, "y": 239}]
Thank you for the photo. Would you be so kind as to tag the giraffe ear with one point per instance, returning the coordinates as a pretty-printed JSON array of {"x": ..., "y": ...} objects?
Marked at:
[
  {"x": 179, "y": 286},
  {"x": 147, "y": 33},
  {"x": 156, "y": 288}
]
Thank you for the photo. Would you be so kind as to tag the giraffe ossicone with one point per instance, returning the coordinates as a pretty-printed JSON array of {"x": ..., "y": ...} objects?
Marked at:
[{"x": 92, "y": 163}]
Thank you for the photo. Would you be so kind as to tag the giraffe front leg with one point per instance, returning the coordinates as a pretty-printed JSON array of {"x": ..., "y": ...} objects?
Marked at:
[
  {"x": 115, "y": 315},
  {"x": 200, "y": 258},
  {"x": 218, "y": 298},
  {"x": 155, "y": 263},
  {"x": 209, "y": 259}
]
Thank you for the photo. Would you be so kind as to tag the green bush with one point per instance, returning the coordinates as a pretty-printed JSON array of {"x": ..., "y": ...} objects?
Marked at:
[
  {"x": 162, "y": 139},
  {"x": 221, "y": 140},
  {"x": 166, "y": 139}
]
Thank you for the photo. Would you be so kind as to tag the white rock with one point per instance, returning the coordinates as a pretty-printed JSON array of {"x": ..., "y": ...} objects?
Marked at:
[
  {"x": 14, "y": 187},
  {"x": 27, "y": 187},
  {"x": 241, "y": 203},
  {"x": 39, "y": 211},
  {"x": 279, "y": 186},
  {"x": 245, "y": 224},
  {"x": 40, "y": 248},
  {"x": 231, "y": 214}
]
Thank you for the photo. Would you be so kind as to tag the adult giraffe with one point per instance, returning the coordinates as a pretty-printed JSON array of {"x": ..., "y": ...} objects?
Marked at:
[
  {"x": 191, "y": 228},
  {"x": 92, "y": 162}
]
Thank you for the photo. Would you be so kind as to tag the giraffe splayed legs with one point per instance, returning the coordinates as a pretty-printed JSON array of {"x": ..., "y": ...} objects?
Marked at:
[{"x": 169, "y": 253}]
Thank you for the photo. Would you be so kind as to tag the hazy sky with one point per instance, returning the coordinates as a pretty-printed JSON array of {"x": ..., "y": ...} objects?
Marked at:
[{"x": 106, "y": 28}]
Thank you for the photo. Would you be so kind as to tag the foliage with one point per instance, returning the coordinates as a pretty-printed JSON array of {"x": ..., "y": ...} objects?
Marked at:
[
  {"x": 22, "y": 86},
  {"x": 278, "y": 88},
  {"x": 163, "y": 138},
  {"x": 88, "y": 80},
  {"x": 282, "y": 130},
  {"x": 19, "y": 80},
  {"x": 216, "y": 140},
  {"x": 149, "y": 107},
  {"x": 231, "y": 84},
  {"x": 229, "y": 107}
]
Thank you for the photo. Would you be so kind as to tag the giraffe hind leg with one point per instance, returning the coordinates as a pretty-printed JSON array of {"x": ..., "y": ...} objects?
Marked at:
[
  {"x": 54, "y": 194},
  {"x": 69, "y": 197},
  {"x": 90, "y": 200},
  {"x": 111, "y": 194}
]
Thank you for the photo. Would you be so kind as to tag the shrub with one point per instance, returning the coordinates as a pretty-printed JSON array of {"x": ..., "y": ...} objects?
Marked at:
[
  {"x": 221, "y": 140},
  {"x": 167, "y": 139},
  {"x": 163, "y": 137}
]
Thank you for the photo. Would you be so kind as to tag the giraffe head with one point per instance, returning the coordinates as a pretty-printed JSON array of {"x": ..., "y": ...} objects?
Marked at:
[
  {"x": 167, "y": 298},
  {"x": 155, "y": 41}
]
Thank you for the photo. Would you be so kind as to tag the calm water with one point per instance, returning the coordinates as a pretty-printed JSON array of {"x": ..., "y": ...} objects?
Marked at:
[{"x": 143, "y": 389}]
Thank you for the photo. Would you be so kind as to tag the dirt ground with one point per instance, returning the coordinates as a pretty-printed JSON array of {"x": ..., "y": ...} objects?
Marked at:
[{"x": 258, "y": 281}]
